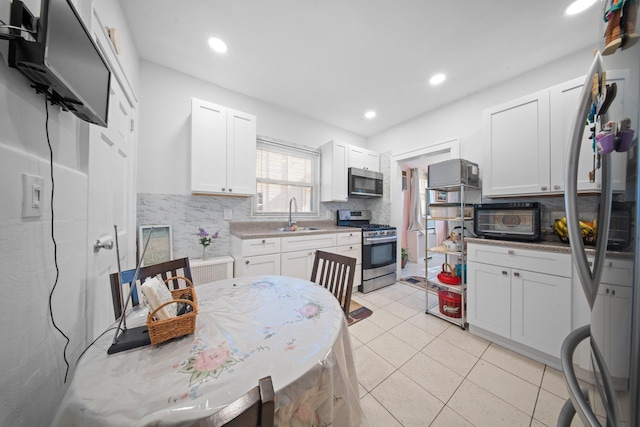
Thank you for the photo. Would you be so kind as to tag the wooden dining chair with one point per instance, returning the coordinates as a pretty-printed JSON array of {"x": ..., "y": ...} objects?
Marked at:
[
  {"x": 256, "y": 408},
  {"x": 335, "y": 272},
  {"x": 175, "y": 268}
]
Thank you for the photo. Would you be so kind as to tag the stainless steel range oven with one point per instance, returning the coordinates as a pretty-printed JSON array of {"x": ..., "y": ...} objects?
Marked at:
[{"x": 379, "y": 246}]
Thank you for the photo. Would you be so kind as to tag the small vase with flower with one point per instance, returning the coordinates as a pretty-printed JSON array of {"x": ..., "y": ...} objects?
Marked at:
[{"x": 205, "y": 239}]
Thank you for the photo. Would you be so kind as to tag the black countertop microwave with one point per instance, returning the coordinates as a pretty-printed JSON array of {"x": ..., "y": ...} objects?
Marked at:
[
  {"x": 508, "y": 221},
  {"x": 364, "y": 183}
]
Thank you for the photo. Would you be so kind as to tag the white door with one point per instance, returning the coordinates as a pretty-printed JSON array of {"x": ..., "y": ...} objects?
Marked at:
[
  {"x": 241, "y": 153},
  {"x": 208, "y": 147},
  {"x": 516, "y": 147},
  {"x": 540, "y": 310},
  {"x": 297, "y": 264},
  {"x": 258, "y": 265},
  {"x": 111, "y": 202},
  {"x": 489, "y": 298}
]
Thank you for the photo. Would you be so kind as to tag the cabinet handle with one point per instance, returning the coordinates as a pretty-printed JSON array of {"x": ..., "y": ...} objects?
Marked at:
[
  {"x": 504, "y": 273},
  {"x": 246, "y": 262},
  {"x": 613, "y": 292},
  {"x": 544, "y": 188},
  {"x": 516, "y": 274},
  {"x": 510, "y": 252},
  {"x": 556, "y": 187},
  {"x": 230, "y": 190},
  {"x": 610, "y": 263},
  {"x": 223, "y": 189},
  {"x": 264, "y": 241},
  {"x": 607, "y": 291}
]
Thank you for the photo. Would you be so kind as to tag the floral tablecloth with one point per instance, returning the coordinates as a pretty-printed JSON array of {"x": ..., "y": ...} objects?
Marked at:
[{"x": 246, "y": 329}]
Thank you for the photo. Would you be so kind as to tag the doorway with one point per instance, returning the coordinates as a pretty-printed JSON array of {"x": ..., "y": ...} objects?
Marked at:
[{"x": 413, "y": 240}]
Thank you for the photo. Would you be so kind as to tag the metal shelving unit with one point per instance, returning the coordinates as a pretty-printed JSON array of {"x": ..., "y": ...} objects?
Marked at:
[{"x": 458, "y": 213}]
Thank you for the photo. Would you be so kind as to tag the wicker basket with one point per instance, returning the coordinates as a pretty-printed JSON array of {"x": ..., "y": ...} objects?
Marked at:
[{"x": 185, "y": 324}]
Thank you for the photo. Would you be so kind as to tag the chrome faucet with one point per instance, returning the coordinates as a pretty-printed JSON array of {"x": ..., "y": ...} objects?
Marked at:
[{"x": 291, "y": 220}]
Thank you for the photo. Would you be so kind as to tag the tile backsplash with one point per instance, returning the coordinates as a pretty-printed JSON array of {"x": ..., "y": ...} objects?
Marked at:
[{"x": 186, "y": 213}]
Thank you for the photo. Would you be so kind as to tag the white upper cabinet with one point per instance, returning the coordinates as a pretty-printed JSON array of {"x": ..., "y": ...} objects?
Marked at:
[
  {"x": 336, "y": 158},
  {"x": 526, "y": 142},
  {"x": 362, "y": 158},
  {"x": 333, "y": 174},
  {"x": 223, "y": 150},
  {"x": 516, "y": 147},
  {"x": 564, "y": 100}
]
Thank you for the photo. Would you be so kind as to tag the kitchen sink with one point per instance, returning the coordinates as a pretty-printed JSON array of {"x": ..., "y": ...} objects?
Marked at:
[{"x": 289, "y": 230}]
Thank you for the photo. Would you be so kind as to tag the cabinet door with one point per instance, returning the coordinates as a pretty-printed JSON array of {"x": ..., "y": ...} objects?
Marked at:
[
  {"x": 516, "y": 147},
  {"x": 297, "y": 264},
  {"x": 563, "y": 102},
  {"x": 241, "y": 153},
  {"x": 333, "y": 173},
  {"x": 540, "y": 310},
  {"x": 258, "y": 265},
  {"x": 363, "y": 159},
  {"x": 208, "y": 147},
  {"x": 489, "y": 298},
  {"x": 611, "y": 327}
]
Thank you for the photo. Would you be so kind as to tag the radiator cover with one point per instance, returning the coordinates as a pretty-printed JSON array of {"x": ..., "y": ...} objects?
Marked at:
[{"x": 210, "y": 270}]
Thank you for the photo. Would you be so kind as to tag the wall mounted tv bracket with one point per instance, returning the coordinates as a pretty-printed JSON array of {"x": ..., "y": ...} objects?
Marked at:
[
  {"x": 25, "y": 26},
  {"x": 22, "y": 20}
]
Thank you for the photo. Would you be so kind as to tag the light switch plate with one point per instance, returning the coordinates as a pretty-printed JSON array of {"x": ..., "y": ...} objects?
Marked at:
[{"x": 32, "y": 194}]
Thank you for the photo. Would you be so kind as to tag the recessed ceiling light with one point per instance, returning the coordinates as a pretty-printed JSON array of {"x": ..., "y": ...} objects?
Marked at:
[
  {"x": 217, "y": 45},
  {"x": 578, "y": 6},
  {"x": 370, "y": 114},
  {"x": 437, "y": 79}
]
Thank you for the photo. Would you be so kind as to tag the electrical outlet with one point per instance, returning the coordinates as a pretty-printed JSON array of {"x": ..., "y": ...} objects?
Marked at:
[
  {"x": 32, "y": 193},
  {"x": 228, "y": 214}
]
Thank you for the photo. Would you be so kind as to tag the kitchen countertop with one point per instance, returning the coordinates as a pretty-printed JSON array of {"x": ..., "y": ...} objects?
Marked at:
[
  {"x": 548, "y": 246},
  {"x": 269, "y": 229}
]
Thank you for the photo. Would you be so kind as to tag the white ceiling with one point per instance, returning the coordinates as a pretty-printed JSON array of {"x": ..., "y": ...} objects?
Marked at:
[{"x": 332, "y": 60}]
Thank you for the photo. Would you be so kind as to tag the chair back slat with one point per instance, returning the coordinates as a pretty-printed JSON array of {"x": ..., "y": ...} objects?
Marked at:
[
  {"x": 335, "y": 273},
  {"x": 173, "y": 268},
  {"x": 256, "y": 408}
]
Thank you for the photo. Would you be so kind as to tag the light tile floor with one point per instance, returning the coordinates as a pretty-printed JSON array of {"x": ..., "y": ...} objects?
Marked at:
[{"x": 418, "y": 370}]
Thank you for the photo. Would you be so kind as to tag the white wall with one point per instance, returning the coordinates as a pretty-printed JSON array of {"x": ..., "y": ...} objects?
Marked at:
[
  {"x": 32, "y": 378},
  {"x": 165, "y": 125},
  {"x": 32, "y": 351}
]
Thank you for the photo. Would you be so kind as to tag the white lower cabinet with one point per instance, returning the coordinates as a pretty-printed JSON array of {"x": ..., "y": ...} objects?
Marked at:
[
  {"x": 613, "y": 328},
  {"x": 258, "y": 265},
  {"x": 513, "y": 297},
  {"x": 293, "y": 255},
  {"x": 489, "y": 298},
  {"x": 350, "y": 244},
  {"x": 611, "y": 317},
  {"x": 540, "y": 310}
]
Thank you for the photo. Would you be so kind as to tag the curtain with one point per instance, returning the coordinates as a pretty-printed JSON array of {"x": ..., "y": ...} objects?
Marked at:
[{"x": 416, "y": 222}]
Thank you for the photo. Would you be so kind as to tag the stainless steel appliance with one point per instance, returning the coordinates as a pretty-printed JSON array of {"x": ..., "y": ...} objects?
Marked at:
[
  {"x": 453, "y": 172},
  {"x": 365, "y": 183},
  {"x": 379, "y": 249},
  {"x": 507, "y": 221},
  {"x": 617, "y": 347}
]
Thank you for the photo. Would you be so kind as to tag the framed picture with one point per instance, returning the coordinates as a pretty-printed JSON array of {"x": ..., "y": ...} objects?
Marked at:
[
  {"x": 160, "y": 248},
  {"x": 441, "y": 196}
]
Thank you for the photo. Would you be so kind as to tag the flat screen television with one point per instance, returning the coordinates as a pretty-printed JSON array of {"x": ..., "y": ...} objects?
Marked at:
[{"x": 61, "y": 59}]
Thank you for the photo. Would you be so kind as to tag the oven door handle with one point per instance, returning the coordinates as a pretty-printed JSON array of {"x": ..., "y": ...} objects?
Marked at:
[{"x": 374, "y": 240}]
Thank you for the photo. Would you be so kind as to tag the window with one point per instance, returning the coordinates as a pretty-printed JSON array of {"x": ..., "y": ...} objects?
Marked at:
[{"x": 282, "y": 172}]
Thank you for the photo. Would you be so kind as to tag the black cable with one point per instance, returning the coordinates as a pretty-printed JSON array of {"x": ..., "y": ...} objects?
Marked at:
[
  {"x": 94, "y": 341},
  {"x": 55, "y": 245}
]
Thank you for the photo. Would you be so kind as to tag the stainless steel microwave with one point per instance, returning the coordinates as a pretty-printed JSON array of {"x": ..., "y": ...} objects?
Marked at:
[
  {"x": 507, "y": 221},
  {"x": 364, "y": 183}
]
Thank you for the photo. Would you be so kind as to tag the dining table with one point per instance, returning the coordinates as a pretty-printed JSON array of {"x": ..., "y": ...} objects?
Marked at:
[{"x": 246, "y": 328}]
